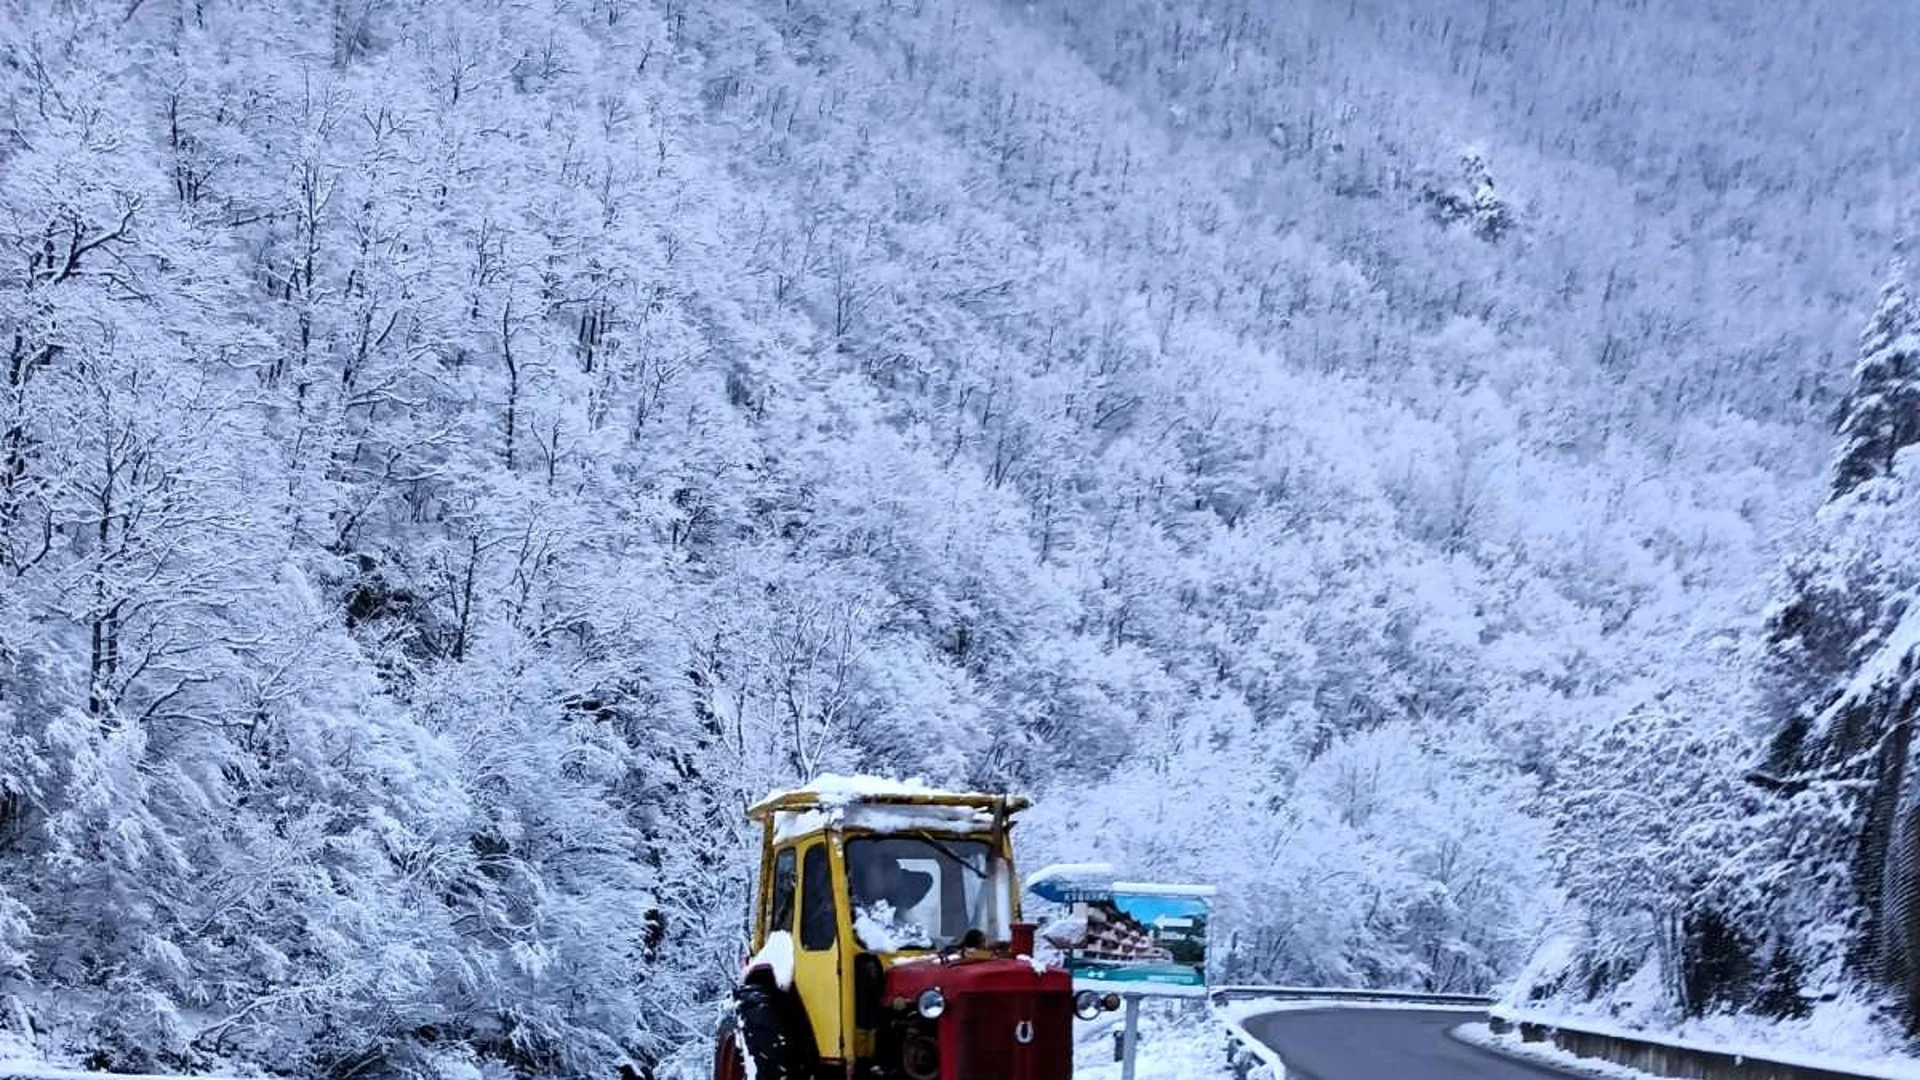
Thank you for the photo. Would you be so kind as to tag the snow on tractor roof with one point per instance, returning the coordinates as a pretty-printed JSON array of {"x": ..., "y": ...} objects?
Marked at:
[{"x": 881, "y": 804}]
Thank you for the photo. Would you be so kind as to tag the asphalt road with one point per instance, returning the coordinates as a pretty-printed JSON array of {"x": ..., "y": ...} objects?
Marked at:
[{"x": 1384, "y": 1044}]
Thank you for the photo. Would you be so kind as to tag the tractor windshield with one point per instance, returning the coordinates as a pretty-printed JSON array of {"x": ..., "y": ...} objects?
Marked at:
[{"x": 926, "y": 892}]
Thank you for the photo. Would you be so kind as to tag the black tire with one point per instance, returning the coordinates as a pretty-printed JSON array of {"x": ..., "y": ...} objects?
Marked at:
[
  {"x": 726, "y": 1052},
  {"x": 773, "y": 1031}
]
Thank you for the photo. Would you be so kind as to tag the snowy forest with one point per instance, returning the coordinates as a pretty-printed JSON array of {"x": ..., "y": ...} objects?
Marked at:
[{"x": 1437, "y": 470}]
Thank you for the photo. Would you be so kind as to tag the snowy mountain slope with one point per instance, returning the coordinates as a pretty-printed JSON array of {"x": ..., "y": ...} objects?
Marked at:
[{"x": 456, "y": 457}]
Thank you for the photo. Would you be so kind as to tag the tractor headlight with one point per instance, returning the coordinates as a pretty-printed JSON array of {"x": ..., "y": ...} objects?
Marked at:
[
  {"x": 932, "y": 1003},
  {"x": 1086, "y": 1004}
]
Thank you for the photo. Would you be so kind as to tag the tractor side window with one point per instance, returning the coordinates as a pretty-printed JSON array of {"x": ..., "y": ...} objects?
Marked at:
[
  {"x": 817, "y": 929},
  {"x": 781, "y": 917}
]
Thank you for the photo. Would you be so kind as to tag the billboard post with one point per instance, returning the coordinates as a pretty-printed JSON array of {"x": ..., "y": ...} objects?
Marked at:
[{"x": 1138, "y": 939}]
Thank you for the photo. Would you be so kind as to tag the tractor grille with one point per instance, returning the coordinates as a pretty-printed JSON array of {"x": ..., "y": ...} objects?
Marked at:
[{"x": 986, "y": 1027}]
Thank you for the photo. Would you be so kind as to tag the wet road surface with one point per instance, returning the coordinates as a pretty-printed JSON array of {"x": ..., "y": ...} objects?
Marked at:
[{"x": 1384, "y": 1044}]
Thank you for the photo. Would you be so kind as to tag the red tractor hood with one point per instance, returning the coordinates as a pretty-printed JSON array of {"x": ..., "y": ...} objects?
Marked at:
[{"x": 1005, "y": 1019}]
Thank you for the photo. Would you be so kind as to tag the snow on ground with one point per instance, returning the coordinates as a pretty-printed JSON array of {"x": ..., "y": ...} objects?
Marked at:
[
  {"x": 1845, "y": 1034},
  {"x": 1179, "y": 1040},
  {"x": 1848, "y": 1033},
  {"x": 29, "y": 1068},
  {"x": 1547, "y": 1054},
  {"x": 14, "y": 1048},
  {"x": 21, "y": 1060},
  {"x": 1818, "y": 1042}
]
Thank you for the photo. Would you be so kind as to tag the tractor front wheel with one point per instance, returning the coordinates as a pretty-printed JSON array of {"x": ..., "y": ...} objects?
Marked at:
[
  {"x": 768, "y": 1035},
  {"x": 726, "y": 1052}
]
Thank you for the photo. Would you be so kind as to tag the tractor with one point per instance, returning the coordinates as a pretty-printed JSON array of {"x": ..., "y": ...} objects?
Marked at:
[{"x": 888, "y": 945}]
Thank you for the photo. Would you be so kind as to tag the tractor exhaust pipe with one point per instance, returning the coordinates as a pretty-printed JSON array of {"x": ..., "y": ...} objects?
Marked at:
[{"x": 1023, "y": 939}]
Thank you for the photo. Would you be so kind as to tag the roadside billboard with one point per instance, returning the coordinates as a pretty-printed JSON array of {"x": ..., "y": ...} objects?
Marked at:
[{"x": 1129, "y": 936}]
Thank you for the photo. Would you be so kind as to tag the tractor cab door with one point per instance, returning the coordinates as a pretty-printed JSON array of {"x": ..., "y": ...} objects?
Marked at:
[{"x": 817, "y": 973}]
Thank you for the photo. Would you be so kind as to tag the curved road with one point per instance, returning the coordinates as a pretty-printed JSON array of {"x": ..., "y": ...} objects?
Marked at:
[{"x": 1384, "y": 1044}]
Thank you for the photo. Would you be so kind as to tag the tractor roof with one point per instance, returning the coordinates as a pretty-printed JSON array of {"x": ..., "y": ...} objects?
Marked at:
[{"x": 882, "y": 805}]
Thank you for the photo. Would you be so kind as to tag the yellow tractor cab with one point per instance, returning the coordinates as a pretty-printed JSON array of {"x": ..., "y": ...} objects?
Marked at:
[{"x": 887, "y": 943}]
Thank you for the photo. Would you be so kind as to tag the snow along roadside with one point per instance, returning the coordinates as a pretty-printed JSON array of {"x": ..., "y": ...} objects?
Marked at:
[
  {"x": 1178, "y": 1041},
  {"x": 1235, "y": 1015},
  {"x": 1547, "y": 1054},
  {"x": 1482, "y": 1035}
]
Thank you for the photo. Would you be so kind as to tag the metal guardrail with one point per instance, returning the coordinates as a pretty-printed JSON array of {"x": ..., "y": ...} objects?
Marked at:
[
  {"x": 1651, "y": 1053},
  {"x": 1223, "y": 994}
]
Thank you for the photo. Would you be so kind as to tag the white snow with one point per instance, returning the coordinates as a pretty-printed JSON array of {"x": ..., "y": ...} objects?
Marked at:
[
  {"x": 776, "y": 955},
  {"x": 14, "y": 1046},
  {"x": 841, "y": 805},
  {"x": 1065, "y": 932},
  {"x": 19, "y": 1061},
  {"x": 1073, "y": 875},
  {"x": 29, "y": 1069},
  {"x": 1885, "y": 666},
  {"x": 1178, "y": 1041},
  {"x": 1545, "y": 1053},
  {"x": 1554, "y": 956},
  {"x": 1157, "y": 888},
  {"x": 788, "y": 825},
  {"x": 1235, "y": 1016},
  {"x": 750, "y": 1068},
  {"x": 1157, "y": 464},
  {"x": 1788, "y": 1042},
  {"x": 879, "y": 928},
  {"x": 836, "y": 789}
]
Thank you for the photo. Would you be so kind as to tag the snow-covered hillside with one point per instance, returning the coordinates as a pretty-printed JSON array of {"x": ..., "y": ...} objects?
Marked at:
[{"x": 453, "y": 457}]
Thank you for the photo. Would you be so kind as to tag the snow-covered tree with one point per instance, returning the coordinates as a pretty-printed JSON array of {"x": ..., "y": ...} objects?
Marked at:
[{"x": 1881, "y": 414}]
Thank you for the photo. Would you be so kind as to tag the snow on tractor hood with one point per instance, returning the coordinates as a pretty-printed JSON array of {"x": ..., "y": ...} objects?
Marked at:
[{"x": 975, "y": 974}]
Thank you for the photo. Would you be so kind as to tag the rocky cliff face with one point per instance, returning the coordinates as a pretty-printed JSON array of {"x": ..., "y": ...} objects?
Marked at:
[{"x": 1842, "y": 650}]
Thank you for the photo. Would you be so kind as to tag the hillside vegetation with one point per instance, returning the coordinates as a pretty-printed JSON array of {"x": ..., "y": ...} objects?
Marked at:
[{"x": 453, "y": 457}]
